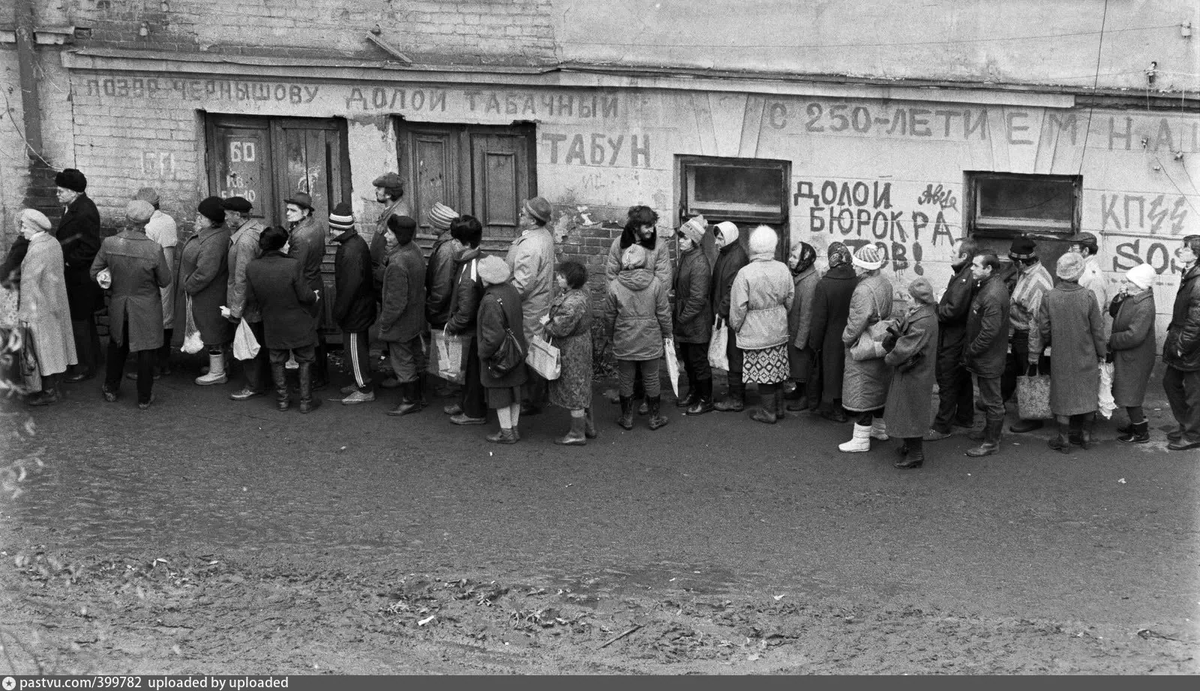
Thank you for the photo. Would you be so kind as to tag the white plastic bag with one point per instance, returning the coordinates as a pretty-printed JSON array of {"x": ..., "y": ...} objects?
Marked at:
[
  {"x": 718, "y": 357},
  {"x": 1106, "y": 402},
  {"x": 672, "y": 364},
  {"x": 245, "y": 345},
  {"x": 192, "y": 343}
]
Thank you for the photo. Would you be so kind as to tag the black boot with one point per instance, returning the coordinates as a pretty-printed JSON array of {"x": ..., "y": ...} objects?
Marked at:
[
  {"x": 626, "y": 419},
  {"x": 915, "y": 457},
  {"x": 991, "y": 439},
  {"x": 589, "y": 424},
  {"x": 410, "y": 399},
  {"x": 307, "y": 402},
  {"x": 704, "y": 403},
  {"x": 1063, "y": 441},
  {"x": 767, "y": 411},
  {"x": 656, "y": 419},
  {"x": 279, "y": 376},
  {"x": 1137, "y": 433},
  {"x": 800, "y": 402},
  {"x": 736, "y": 401},
  {"x": 692, "y": 396}
]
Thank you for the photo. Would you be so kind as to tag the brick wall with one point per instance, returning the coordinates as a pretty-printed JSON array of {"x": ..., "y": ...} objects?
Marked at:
[{"x": 426, "y": 30}]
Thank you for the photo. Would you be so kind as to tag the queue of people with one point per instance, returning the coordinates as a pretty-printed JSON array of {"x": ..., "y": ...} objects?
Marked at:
[{"x": 833, "y": 343}]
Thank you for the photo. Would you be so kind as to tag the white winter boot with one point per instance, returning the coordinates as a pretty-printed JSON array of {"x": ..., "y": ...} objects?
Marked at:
[
  {"x": 216, "y": 371},
  {"x": 879, "y": 429},
  {"x": 860, "y": 442}
]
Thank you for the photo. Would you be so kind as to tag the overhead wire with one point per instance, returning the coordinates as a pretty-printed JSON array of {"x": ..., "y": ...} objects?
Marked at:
[{"x": 1087, "y": 131}]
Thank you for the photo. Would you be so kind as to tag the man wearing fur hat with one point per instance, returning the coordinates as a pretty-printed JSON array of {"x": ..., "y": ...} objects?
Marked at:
[
  {"x": 531, "y": 259},
  {"x": 244, "y": 248},
  {"x": 135, "y": 267},
  {"x": 1033, "y": 283},
  {"x": 162, "y": 229},
  {"x": 439, "y": 275},
  {"x": 79, "y": 234},
  {"x": 1181, "y": 350}
]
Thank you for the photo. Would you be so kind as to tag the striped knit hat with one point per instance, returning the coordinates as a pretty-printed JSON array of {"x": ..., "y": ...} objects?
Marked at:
[
  {"x": 341, "y": 218},
  {"x": 441, "y": 215},
  {"x": 868, "y": 257}
]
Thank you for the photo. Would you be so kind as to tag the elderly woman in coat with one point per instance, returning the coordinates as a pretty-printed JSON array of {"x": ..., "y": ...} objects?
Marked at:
[
  {"x": 1069, "y": 321},
  {"x": 499, "y": 313},
  {"x": 913, "y": 357},
  {"x": 1132, "y": 349},
  {"x": 693, "y": 317},
  {"x": 136, "y": 268},
  {"x": 800, "y": 356},
  {"x": 204, "y": 275},
  {"x": 637, "y": 321},
  {"x": 865, "y": 386},
  {"x": 569, "y": 323},
  {"x": 759, "y": 302},
  {"x": 43, "y": 306},
  {"x": 831, "y": 308}
]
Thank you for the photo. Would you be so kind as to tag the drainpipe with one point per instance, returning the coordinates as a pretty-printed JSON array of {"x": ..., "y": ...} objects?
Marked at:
[{"x": 30, "y": 105}]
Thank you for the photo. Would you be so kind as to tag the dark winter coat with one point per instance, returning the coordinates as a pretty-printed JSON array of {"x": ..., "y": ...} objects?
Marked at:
[
  {"x": 10, "y": 271},
  {"x": 139, "y": 268},
  {"x": 570, "y": 328},
  {"x": 354, "y": 301},
  {"x": 693, "y": 317},
  {"x": 730, "y": 260},
  {"x": 306, "y": 243},
  {"x": 402, "y": 317},
  {"x": 204, "y": 275},
  {"x": 1069, "y": 322},
  {"x": 1181, "y": 349},
  {"x": 79, "y": 234},
  {"x": 440, "y": 280},
  {"x": 865, "y": 382},
  {"x": 954, "y": 308},
  {"x": 275, "y": 285},
  {"x": 800, "y": 323},
  {"x": 831, "y": 308},
  {"x": 909, "y": 408},
  {"x": 468, "y": 291},
  {"x": 988, "y": 327},
  {"x": 499, "y": 309},
  {"x": 637, "y": 316},
  {"x": 1133, "y": 347}
]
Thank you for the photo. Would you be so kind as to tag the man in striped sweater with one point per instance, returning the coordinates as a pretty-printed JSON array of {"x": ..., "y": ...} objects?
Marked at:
[{"x": 1033, "y": 282}]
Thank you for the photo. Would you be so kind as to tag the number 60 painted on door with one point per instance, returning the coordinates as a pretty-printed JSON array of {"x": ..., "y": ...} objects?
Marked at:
[{"x": 242, "y": 152}]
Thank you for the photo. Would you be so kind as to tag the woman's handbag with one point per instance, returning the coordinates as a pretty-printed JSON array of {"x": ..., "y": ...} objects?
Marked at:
[
  {"x": 30, "y": 372},
  {"x": 509, "y": 355},
  {"x": 544, "y": 358},
  {"x": 869, "y": 344},
  {"x": 1033, "y": 396},
  {"x": 718, "y": 356},
  {"x": 245, "y": 345},
  {"x": 192, "y": 342}
]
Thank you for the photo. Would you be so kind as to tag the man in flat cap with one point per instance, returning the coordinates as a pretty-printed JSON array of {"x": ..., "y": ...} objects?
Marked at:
[
  {"x": 79, "y": 234},
  {"x": 307, "y": 244},
  {"x": 162, "y": 229},
  {"x": 531, "y": 258},
  {"x": 1088, "y": 246},
  {"x": 243, "y": 248},
  {"x": 1033, "y": 283},
  {"x": 439, "y": 277},
  {"x": 389, "y": 191}
]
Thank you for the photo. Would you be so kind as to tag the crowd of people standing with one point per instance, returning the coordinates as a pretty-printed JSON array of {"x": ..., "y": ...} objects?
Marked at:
[{"x": 833, "y": 343}]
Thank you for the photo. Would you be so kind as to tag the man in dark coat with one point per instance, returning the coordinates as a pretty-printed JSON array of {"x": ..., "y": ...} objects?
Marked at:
[
  {"x": 79, "y": 234},
  {"x": 692, "y": 318},
  {"x": 956, "y": 395},
  {"x": 440, "y": 275},
  {"x": 1181, "y": 351},
  {"x": 354, "y": 301},
  {"x": 275, "y": 285},
  {"x": 243, "y": 249},
  {"x": 306, "y": 242},
  {"x": 731, "y": 257},
  {"x": 471, "y": 408},
  {"x": 402, "y": 316},
  {"x": 830, "y": 311},
  {"x": 986, "y": 348}
]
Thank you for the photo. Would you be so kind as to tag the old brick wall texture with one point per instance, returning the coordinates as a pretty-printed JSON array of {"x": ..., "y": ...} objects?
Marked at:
[{"x": 455, "y": 30}]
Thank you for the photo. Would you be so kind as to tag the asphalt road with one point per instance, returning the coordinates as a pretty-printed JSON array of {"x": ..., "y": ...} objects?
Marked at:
[{"x": 1104, "y": 539}]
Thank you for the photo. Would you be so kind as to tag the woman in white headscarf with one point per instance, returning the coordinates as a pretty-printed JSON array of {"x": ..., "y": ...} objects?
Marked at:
[
  {"x": 43, "y": 305},
  {"x": 1132, "y": 349},
  {"x": 759, "y": 301}
]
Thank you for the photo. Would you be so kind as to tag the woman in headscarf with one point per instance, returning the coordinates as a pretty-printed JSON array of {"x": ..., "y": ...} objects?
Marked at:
[
  {"x": 135, "y": 268},
  {"x": 1132, "y": 349},
  {"x": 569, "y": 323},
  {"x": 730, "y": 260},
  {"x": 1069, "y": 321},
  {"x": 800, "y": 355},
  {"x": 831, "y": 308},
  {"x": 499, "y": 313},
  {"x": 913, "y": 356},
  {"x": 204, "y": 275},
  {"x": 692, "y": 317},
  {"x": 637, "y": 321},
  {"x": 43, "y": 305},
  {"x": 866, "y": 380},
  {"x": 758, "y": 315}
]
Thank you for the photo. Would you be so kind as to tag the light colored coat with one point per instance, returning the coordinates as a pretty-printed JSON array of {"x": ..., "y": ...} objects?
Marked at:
[
  {"x": 243, "y": 248},
  {"x": 1069, "y": 322},
  {"x": 1133, "y": 347},
  {"x": 162, "y": 229},
  {"x": 865, "y": 382},
  {"x": 637, "y": 316},
  {"x": 531, "y": 258},
  {"x": 139, "y": 269},
  {"x": 44, "y": 307},
  {"x": 759, "y": 301}
]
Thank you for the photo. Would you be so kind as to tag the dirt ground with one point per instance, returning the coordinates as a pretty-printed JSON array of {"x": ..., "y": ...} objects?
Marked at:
[{"x": 205, "y": 536}]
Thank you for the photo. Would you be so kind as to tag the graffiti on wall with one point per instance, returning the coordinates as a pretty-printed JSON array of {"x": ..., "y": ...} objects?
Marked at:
[
  {"x": 1157, "y": 253},
  {"x": 858, "y": 213},
  {"x": 597, "y": 149},
  {"x": 158, "y": 164},
  {"x": 1143, "y": 213}
]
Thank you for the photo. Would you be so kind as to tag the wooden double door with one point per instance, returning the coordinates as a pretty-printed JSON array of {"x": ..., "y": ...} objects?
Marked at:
[{"x": 474, "y": 169}]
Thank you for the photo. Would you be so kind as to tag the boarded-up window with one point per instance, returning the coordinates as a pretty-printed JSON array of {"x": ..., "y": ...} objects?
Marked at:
[{"x": 1004, "y": 205}]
